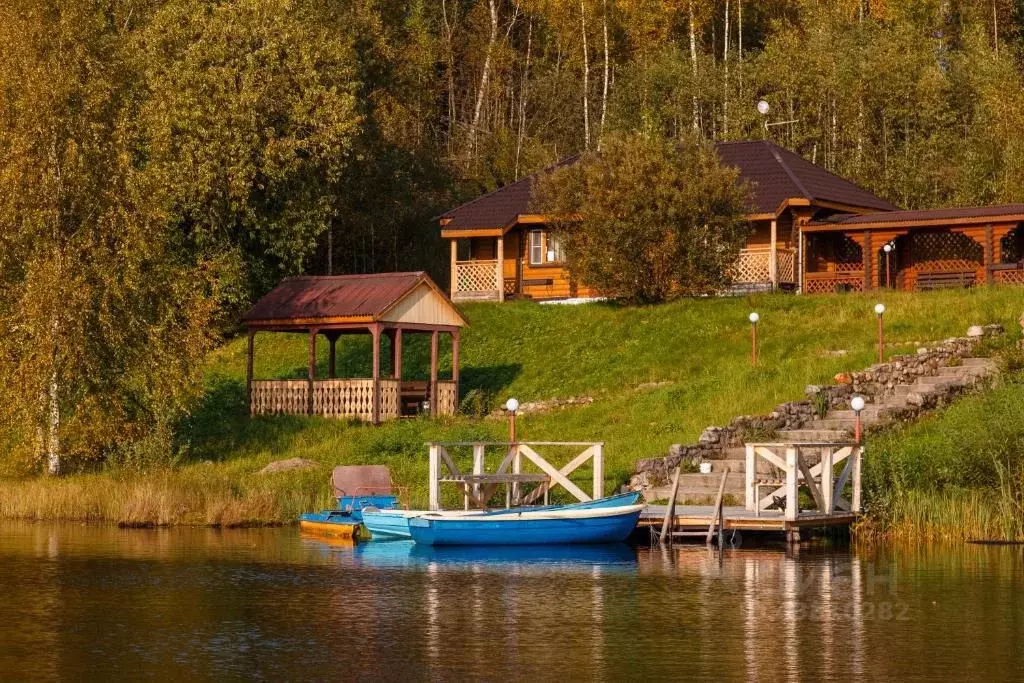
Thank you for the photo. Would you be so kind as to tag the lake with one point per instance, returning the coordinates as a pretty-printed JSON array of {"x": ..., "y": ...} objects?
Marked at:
[{"x": 98, "y": 602}]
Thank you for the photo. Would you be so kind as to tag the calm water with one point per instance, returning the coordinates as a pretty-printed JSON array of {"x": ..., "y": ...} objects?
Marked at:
[{"x": 86, "y": 602}]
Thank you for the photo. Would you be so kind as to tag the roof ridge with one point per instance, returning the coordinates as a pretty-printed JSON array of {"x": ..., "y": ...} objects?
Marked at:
[
  {"x": 354, "y": 276},
  {"x": 774, "y": 149}
]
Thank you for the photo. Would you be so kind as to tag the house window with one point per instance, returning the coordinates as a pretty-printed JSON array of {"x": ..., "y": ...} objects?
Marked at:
[
  {"x": 536, "y": 247},
  {"x": 545, "y": 248},
  {"x": 555, "y": 253}
]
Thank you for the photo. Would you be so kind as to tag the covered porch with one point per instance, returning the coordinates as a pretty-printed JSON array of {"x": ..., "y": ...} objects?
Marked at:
[
  {"x": 389, "y": 305},
  {"x": 915, "y": 250}
]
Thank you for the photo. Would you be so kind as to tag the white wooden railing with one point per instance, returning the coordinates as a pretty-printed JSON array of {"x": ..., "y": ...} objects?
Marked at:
[
  {"x": 789, "y": 469},
  {"x": 338, "y": 398},
  {"x": 478, "y": 485}
]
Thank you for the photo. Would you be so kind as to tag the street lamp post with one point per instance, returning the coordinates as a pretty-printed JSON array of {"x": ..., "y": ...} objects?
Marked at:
[
  {"x": 888, "y": 265},
  {"x": 879, "y": 311},
  {"x": 512, "y": 405},
  {"x": 857, "y": 403},
  {"x": 753, "y": 318}
]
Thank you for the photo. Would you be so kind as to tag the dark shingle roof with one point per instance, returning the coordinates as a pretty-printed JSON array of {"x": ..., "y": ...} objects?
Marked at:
[
  {"x": 334, "y": 296},
  {"x": 775, "y": 174},
  {"x": 981, "y": 213}
]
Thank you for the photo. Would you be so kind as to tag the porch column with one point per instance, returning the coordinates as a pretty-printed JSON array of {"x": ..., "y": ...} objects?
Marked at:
[
  {"x": 989, "y": 253},
  {"x": 773, "y": 256},
  {"x": 867, "y": 256},
  {"x": 312, "y": 369},
  {"x": 396, "y": 353},
  {"x": 332, "y": 339},
  {"x": 454, "y": 269},
  {"x": 375, "y": 334},
  {"x": 248, "y": 370},
  {"x": 433, "y": 373},
  {"x": 500, "y": 274}
]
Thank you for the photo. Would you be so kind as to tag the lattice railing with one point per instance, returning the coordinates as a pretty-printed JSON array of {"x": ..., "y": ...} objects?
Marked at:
[
  {"x": 447, "y": 397},
  {"x": 344, "y": 398},
  {"x": 279, "y": 397},
  {"x": 1009, "y": 277},
  {"x": 390, "y": 390},
  {"x": 787, "y": 265},
  {"x": 752, "y": 265},
  {"x": 945, "y": 251},
  {"x": 837, "y": 283},
  {"x": 476, "y": 276}
]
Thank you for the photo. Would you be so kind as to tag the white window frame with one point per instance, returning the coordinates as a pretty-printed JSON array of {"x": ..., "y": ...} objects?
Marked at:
[{"x": 536, "y": 247}]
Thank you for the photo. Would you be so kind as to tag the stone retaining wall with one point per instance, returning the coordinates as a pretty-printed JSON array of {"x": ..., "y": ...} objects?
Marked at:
[{"x": 874, "y": 384}]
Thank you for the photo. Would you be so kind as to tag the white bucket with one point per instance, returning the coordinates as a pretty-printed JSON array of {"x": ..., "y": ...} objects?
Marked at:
[{"x": 705, "y": 468}]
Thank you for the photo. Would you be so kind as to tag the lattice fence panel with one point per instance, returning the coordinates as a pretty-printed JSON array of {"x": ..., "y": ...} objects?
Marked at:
[
  {"x": 476, "y": 276},
  {"x": 849, "y": 255},
  {"x": 1009, "y": 277},
  {"x": 389, "y": 393},
  {"x": 447, "y": 397},
  {"x": 752, "y": 265},
  {"x": 279, "y": 397},
  {"x": 833, "y": 252},
  {"x": 1011, "y": 246},
  {"x": 945, "y": 251},
  {"x": 834, "y": 284}
]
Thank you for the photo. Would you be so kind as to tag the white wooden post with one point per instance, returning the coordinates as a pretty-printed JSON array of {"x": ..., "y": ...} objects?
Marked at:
[
  {"x": 455, "y": 268},
  {"x": 598, "y": 471},
  {"x": 792, "y": 490},
  {"x": 517, "y": 468},
  {"x": 434, "y": 477},
  {"x": 749, "y": 469},
  {"x": 827, "y": 480},
  {"x": 478, "y": 465},
  {"x": 855, "y": 453}
]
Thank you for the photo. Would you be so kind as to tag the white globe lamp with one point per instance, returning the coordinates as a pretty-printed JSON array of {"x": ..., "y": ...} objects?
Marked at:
[
  {"x": 879, "y": 309},
  {"x": 857, "y": 403},
  {"x": 512, "y": 405},
  {"x": 753, "y": 317},
  {"x": 763, "y": 107}
]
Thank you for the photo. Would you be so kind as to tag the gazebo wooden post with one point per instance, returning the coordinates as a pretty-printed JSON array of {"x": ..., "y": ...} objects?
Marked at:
[
  {"x": 455, "y": 363},
  {"x": 433, "y": 373},
  {"x": 396, "y": 353},
  {"x": 248, "y": 370},
  {"x": 375, "y": 334},
  {"x": 332, "y": 337},
  {"x": 989, "y": 254},
  {"x": 312, "y": 368},
  {"x": 868, "y": 257}
]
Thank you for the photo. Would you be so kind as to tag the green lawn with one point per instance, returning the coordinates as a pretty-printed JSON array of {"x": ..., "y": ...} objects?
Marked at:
[{"x": 658, "y": 375}]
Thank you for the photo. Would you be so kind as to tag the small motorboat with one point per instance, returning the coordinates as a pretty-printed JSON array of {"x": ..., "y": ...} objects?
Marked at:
[
  {"x": 391, "y": 524},
  {"x": 336, "y": 523},
  {"x": 534, "y": 527}
]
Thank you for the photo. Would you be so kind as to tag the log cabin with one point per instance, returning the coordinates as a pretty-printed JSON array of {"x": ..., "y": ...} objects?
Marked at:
[{"x": 811, "y": 231}]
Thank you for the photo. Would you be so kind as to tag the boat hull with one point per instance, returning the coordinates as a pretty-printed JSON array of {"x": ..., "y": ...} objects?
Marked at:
[
  {"x": 392, "y": 524},
  {"x": 330, "y": 523},
  {"x": 554, "y": 527}
]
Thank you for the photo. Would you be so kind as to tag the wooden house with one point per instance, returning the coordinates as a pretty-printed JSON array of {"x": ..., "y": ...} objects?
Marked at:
[
  {"x": 812, "y": 231},
  {"x": 383, "y": 305}
]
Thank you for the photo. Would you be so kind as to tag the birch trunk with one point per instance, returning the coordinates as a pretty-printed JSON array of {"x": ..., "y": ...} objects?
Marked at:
[
  {"x": 451, "y": 76},
  {"x": 53, "y": 442},
  {"x": 604, "y": 88},
  {"x": 523, "y": 92},
  {"x": 586, "y": 78},
  {"x": 693, "y": 64},
  {"x": 725, "y": 63},
  {"x": 484, "y": 75}
]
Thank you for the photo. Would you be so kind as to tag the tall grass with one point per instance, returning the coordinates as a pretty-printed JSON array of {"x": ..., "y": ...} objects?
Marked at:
[
  {"x": 658, "y": 375},
  {"x": 958, "y": 474}
]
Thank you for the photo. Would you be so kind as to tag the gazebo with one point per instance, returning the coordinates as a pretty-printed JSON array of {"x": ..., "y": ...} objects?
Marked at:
[{"x": 382, "y": 304}]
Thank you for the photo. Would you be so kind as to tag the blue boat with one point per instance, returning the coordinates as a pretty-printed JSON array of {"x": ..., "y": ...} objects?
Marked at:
[
  {"x": 331, "y": 523},
  {"x": 391, "y": 524},
  {"x": 540, "y": 527}
]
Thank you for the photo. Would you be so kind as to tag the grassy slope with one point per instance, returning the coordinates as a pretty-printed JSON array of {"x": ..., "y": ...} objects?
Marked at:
[{"x": 658, "y": 375}]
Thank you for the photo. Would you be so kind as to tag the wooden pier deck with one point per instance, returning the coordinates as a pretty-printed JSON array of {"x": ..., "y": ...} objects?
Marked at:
[{"x": 698, "y": 517}]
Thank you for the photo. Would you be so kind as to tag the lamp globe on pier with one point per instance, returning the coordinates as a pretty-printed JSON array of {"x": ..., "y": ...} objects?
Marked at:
[
  {"x": 512, "y": 406},
  {"x": 857, "y": 403},
  {"x": 753, "y": 318}
]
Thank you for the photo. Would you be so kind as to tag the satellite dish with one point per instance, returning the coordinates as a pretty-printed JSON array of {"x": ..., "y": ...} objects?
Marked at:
[{"x": 762, "y": 106}]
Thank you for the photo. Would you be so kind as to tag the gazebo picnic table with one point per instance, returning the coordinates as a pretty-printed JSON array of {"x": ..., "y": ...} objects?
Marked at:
[{"x": 383, "y": 304}]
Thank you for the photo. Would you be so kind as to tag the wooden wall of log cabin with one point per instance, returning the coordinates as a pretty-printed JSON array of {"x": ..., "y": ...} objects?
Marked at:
[
  {"x": 482, "y": 248},
  {"x": 879, "y": 238},
  {"x": 761, "y": 234}
]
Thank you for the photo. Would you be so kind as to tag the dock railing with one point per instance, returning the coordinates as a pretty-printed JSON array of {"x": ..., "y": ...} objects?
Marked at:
[
  {"x": 478, "y": 486},
  {"x": 791, "y": 467}
]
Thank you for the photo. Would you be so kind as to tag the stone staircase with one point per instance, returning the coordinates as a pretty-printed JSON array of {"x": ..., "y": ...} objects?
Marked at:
[{"x": 837, "y": 425}]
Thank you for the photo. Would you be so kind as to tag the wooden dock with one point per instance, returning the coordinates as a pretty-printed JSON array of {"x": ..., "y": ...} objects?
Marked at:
[{"x": 699, "y": 517}]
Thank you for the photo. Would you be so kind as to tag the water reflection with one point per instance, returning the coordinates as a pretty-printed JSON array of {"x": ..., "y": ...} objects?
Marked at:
[{"x": 100, "y": 602}]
